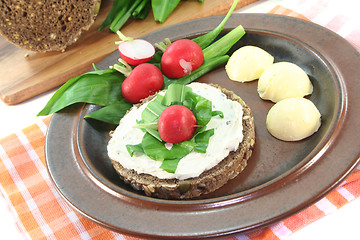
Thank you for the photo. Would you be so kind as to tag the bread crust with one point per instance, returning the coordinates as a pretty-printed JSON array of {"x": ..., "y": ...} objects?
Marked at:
[
  {"x": 209, "y": 180},
  {"x": 43, "y": 26}
]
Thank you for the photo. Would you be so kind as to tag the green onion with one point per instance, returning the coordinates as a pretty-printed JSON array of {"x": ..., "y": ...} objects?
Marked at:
[
  {"x": 142, "y": 10},
  {"x": 120, "y": 20},
  {"x": 206, "y": 39},
  {"x": 207, "y": 66},
  {"x": 223, "y": 45},
  {"x": 119, "y": 8}
]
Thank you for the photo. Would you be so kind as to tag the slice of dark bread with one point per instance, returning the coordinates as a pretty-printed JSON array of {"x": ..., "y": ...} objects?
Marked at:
[
  {"x": 43, "y": 26},
  {"x": 209, "y": 180}
]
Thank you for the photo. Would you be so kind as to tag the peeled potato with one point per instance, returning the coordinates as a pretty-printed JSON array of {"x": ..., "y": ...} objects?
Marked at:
[
  {"x": 293, "y": 119},
  {"x": 283, "y": 80},
  {"x": 248, "y": 63}
]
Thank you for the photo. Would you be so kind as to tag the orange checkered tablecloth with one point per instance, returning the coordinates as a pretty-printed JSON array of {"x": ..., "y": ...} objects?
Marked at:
[{"x": 42, "y": 214}]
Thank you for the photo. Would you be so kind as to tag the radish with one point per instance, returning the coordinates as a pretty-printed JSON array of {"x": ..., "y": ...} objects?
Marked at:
[
  {"x": 144, "y": 80},
  {"x": 181, "y": 58},
  {"x": 176, "y": 124},
  {"x": 135, "y": 51}
]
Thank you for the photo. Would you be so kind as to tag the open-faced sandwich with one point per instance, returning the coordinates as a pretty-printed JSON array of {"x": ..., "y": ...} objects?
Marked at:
[{"x": 220, "y": 144}]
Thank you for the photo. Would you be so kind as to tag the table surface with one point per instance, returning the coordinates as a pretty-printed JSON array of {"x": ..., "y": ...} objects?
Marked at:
[{"x": 341, "y": 224}]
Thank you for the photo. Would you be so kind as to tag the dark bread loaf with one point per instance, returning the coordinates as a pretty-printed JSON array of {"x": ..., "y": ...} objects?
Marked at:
[
  {"x": 43, "y": 25},
  {"x": 209, "y": 180}
]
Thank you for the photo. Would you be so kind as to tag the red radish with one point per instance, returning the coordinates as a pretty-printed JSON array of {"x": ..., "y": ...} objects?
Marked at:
[
  {"x": 181, "y": 57},
  {"x": 136, "y": 51},
  {"x": 143, "y": 81},
  {"x": 176, "y": 124}
]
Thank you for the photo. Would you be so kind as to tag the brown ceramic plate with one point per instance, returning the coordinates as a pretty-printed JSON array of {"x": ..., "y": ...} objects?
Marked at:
[{"x": 281, "y": 179}]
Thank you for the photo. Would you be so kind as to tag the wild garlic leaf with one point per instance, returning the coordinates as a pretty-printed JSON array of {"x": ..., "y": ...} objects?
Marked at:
[
  {"x": 100, "y": 87},
  {"x": 153, "y": 110},
  {"x": 162, "y": 9},
  {"x": 134, "y": 148},
  {"x": 112, "y": 113},
  {"x": 202, "y": 140},
  {"x": 156, "y": 150},
  {"x": 170, "y": 165},
  {"x": 176, "y": 94}
]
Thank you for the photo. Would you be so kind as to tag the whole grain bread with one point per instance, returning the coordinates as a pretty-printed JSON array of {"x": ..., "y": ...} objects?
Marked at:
[
  {"x": 43, "y": 25},
  {"x": 209, "y": 180}
]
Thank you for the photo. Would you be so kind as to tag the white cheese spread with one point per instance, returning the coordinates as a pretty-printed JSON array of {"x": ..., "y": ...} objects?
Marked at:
[{"x": 227, "y": 136}]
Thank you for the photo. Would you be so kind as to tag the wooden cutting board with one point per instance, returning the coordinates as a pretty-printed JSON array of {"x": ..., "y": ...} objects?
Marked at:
[{"x": 26, "y": 74}]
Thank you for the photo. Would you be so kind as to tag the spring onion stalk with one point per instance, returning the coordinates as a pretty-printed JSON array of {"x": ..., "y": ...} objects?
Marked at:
[
  {"x": 142, "y": 10},
  {"x": 118, "y": 9},
  {"x": 120, "y": 20},
  {"x": 206, "y": 39},
  {"x": 207, "y": 66},
  {"x": 223, "y": 45}
]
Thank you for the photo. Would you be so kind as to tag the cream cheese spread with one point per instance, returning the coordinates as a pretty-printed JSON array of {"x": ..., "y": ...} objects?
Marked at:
[{"x": 227, "y": 136}]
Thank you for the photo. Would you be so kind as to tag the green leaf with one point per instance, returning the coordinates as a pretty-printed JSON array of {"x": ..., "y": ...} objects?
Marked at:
[
  {"x": 100, "y": 87},
  {"x": 118, "y": 8},
  {"x": 162, "y": 9},
  {"x": 170, "y": 165},
  {"x": 175, "y": 94},
  {"x": 134, "y": 148},
  {"x": 112, "y": 113},
  {"x": 203, "y": 111},
  {"x": 153, "y": 110},
  {"x": 156, "y": 150},
  {"x": 202, "y": 140},
  {"x": 217, "y": 113},
  {"x": 153, "y": 148},
  {"x": 150, "y": 116},
  {"x": 153, "y": 132}
]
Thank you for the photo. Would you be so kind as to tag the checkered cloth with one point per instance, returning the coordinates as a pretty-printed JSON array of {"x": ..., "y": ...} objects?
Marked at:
[{"x": 42, "y": 214}]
